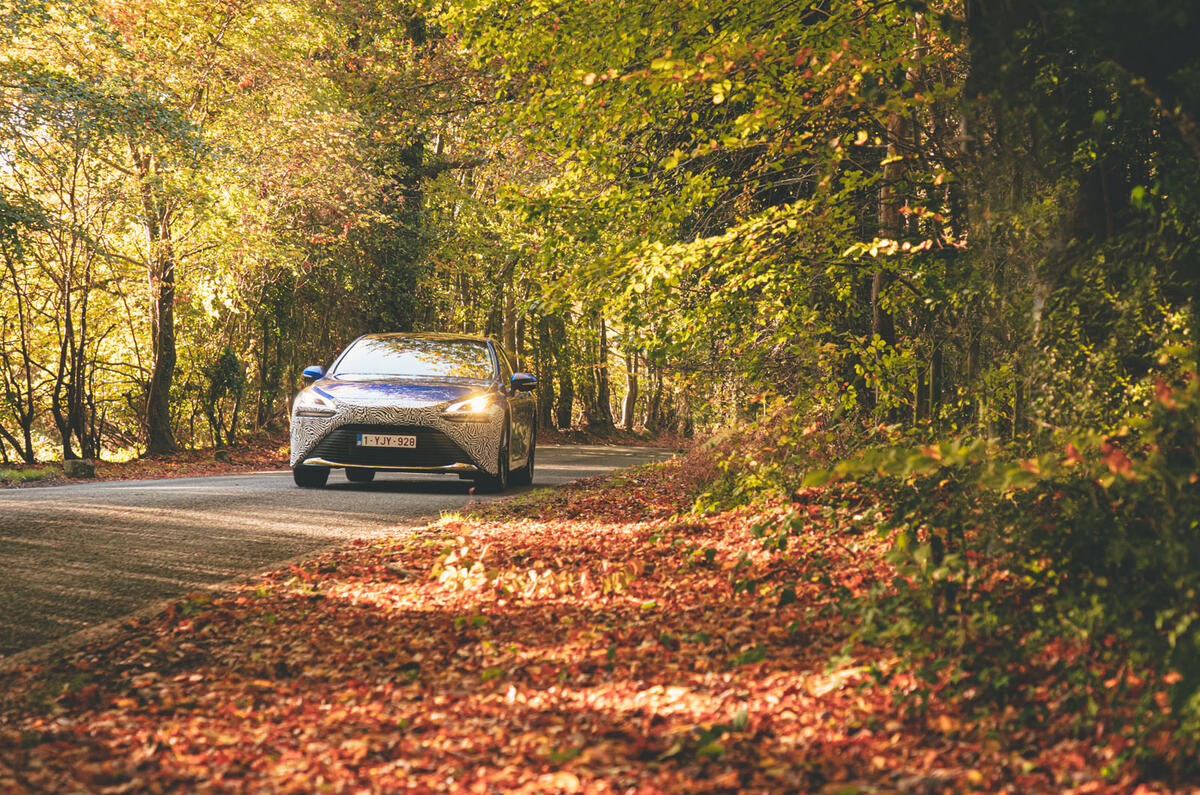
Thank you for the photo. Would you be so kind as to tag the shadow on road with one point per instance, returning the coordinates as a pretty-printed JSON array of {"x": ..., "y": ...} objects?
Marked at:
[
  {"x": 392, "y": 485},
  {"x": 74, "y": 556}
]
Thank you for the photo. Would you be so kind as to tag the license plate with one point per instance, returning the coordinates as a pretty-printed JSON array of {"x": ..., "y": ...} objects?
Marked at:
[{"x": 386, "y": 440}]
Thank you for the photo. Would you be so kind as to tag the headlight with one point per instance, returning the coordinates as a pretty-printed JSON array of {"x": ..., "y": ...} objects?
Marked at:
[
  {"x": 475, "y": 408},
  {"x": 311, "y": 403}
]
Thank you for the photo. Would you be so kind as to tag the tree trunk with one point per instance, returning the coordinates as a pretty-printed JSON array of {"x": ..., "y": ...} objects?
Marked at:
[
  {"x": 60, "y": 394},
  {"x": 265, "y": 390},
  {"x": 161, "y": 278},
  {"x": 465, "y": 300},
  {"x": 587, "y": 384},
  {"x": 77, "y": 407},
  {"x": 602, "y": 417},
  {"x": 920, "y": 396},
  {"x": 890, "y": 227},
  {"x": 565, "y": 408},
  {"x": 631, "y": 390},
  {"x": 1018, "y": 408},
  {"x": 20, "y": 398},
  {"x": 519, "y": 359},
  {"x": 882, "y": 325},
  {"x": 545, "y": 374},
  {"x": 974, "y": 351},
  {"x": 683, "y": 422},
  {"x": 654, "y": 405},
  {"x": 162, "y": 329},
  {"x": 562, "y": 367},
  {"x": 508, "y": 323},
  {"x": 935, "y": 385},
  {"x": 233, "y": 421}
]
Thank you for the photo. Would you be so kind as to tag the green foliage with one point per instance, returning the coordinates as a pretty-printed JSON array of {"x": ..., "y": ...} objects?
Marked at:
[
  {"x": 225, "y": 383},
  {"x": 1068, "y": 556},
  {"x": 1092, "y": 545},
  {"x": 734, "y": 183},
  {"x": 697, "y": 188}
]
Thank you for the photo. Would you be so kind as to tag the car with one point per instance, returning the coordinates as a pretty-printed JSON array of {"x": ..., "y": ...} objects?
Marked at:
[{"x": 416, "y": 402}]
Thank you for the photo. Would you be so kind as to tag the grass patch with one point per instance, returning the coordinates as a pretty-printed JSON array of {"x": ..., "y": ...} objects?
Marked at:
[
  {"x": 26, "y": 474},
  {"x": 530, "y": 503}
]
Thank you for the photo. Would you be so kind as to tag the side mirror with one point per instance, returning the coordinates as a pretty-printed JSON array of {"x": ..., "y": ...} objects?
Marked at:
[
  {"x": 313, "y": 372},
  {"x": 523, "y": 382}
]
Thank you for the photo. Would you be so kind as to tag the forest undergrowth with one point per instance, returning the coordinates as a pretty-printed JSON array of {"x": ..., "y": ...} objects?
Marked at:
[
  {"x": 721, "y": 622},
  {"x": 252, "y": 453}
]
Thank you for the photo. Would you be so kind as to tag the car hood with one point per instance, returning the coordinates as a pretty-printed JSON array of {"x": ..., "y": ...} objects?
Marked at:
[{"x": 399, "y": 391}]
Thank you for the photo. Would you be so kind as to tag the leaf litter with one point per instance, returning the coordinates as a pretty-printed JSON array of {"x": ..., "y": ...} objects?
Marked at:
[{"x": 599, "y": 638}]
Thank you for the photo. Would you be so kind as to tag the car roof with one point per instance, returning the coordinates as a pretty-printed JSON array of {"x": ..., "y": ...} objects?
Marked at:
[{"x": 425, "y": 335}]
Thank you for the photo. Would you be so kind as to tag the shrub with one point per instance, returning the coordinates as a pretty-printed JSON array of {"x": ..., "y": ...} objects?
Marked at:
[{"x": 1086, "y": 554}]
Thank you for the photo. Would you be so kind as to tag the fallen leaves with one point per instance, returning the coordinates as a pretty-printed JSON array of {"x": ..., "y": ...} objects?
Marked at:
[{"x": 590, "y": 642}]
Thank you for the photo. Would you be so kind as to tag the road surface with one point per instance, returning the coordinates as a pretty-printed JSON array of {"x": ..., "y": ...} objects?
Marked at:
[{"x": 75, "y": 556}]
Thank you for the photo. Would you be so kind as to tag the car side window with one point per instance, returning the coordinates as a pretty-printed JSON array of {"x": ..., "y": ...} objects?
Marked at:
[{"x": 506, "y": 371}]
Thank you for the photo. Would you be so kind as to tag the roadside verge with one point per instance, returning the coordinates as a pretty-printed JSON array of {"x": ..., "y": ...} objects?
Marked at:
[{"x": 598, "y": 637}]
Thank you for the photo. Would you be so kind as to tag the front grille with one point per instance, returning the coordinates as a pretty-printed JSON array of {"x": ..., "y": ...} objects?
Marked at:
[{"x": 434, "y": 448}]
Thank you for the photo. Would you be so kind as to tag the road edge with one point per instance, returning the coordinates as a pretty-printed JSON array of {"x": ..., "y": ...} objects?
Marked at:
[{"x": 112, "y": 629}]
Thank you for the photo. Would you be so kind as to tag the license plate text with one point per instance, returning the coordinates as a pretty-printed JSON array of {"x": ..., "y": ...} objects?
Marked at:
[{"x": 386, "y": 440}]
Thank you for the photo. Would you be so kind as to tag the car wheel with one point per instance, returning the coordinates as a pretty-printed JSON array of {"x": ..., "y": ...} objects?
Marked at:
[
  {"x": 310, "y": 477},
  {"x": 524, "y": 475},
  {"x": 359, "y": 474},
  {"x": 494, "y": 484}
]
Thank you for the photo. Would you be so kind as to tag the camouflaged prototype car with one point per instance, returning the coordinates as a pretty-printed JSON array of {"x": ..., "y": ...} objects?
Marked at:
[{"x": 416, "y": 403}]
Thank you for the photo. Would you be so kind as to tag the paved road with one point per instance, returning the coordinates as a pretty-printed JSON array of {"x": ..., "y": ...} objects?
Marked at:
[{"x": 78, "y": 555}]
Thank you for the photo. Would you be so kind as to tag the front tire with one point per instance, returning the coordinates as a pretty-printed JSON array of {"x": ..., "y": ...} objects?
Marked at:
[
  {"x": 524, "y": 475},
  {"x": 307, "y": 477},
  {"x": 494, "y": 484},
  {"x": 359, "y": 474}
]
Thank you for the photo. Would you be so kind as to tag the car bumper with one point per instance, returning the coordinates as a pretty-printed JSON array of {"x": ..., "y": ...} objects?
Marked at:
[{"x": 443, "y": 445}]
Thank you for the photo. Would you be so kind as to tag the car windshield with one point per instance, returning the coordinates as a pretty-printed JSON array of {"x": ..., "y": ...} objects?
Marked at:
[{"x": 416, "y": 358}]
